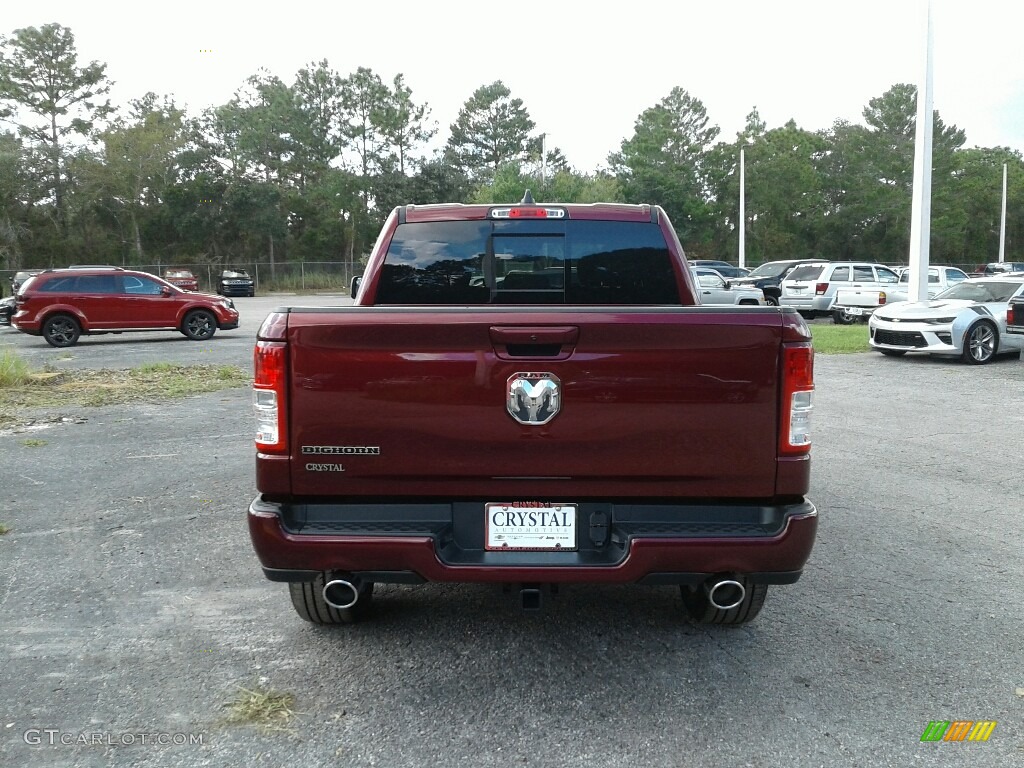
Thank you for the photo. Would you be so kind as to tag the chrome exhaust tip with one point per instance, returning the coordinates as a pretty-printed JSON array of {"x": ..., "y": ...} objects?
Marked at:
[
  {"x": 341, "y": 593},
  {"x": 725, "y": 594}
]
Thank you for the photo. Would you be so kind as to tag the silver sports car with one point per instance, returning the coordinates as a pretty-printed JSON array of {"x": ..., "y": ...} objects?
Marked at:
[{"x": 967, "y": 320}]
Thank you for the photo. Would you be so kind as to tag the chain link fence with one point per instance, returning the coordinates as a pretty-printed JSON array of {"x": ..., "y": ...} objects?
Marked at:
[{"x": 291, "y": 276}]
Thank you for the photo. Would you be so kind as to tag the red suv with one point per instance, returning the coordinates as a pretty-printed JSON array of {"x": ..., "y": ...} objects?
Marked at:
[{"x": 62, "y": 304}]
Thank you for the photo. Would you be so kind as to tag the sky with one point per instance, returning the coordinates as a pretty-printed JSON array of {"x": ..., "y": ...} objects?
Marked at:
[{"x": 585, "y": 71}]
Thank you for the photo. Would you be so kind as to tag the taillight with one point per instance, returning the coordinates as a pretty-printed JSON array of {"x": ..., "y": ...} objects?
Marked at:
[
  {"x": 527, "y": 213},
  {"x": 270, "y": 360},
  {"x": 1015, "y": 314},
  {"x": 820, "y": 288},
  {"x": 797, "y": 398},
  {"x": 881, "y": 297}
]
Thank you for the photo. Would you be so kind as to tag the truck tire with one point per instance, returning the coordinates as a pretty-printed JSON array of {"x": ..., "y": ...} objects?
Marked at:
[
  {"x": 980, "y": 343},
  {"x": 700, "y": 610},
  {"x": 308, "y": 601},
  {"x": 771, "y": 300},
  {"x": 61, "y": 330}
]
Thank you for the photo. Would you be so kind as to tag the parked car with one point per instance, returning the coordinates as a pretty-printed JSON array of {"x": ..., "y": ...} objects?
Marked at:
[
  {"x": 854, "y": 304},
  {"x": 183, "y": 278},
  {"x": 1015, "y": 316},
  {"x": 768, "y": 277},
  {"x": 724, "y": 268},
  {"x": 811, "y": 288},
  {"x": 236, "y": 282},
  {"x": 62, "y": 304},
  {"x": 715, "y": 289},
  {"x": 998, "y": 268},
  {"x": 20, "y": 277},
  {"x": 967, "y": 320},
  {"x": 6, "y": 310}
]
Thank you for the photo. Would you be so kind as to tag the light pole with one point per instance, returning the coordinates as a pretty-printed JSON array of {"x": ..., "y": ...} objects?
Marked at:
[
  {"x": 1002, "y": 222},
  {"x": 743, "y": 212},
  {"x": 921, "y": 205}
]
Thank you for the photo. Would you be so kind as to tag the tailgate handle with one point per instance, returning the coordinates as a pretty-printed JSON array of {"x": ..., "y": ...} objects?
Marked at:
[{"x": 556, "y": 341}]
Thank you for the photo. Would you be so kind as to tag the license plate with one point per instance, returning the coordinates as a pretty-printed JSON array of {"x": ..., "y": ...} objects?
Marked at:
[
  {"x": 530, "y": 525},
  {"x": 854, "y": 311}
]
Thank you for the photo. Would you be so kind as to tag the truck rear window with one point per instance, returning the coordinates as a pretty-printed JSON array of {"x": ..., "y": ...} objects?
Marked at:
[{"x": 528, "y": 262}]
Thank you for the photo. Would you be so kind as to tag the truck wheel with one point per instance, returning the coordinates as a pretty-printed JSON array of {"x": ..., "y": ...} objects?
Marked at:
[
  {"x": 199, "y": 325},
  {"x": 700, "y": 609},
  {"x": 842, "y": 317},
  {"x": 61, "y": 331},
  {"x": 771, "y": 301},
  {"x": 308, "y": 601},
  {"x": 980, "y": 343}
]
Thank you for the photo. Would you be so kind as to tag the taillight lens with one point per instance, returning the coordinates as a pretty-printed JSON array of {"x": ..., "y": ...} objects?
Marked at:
[
  {"x": 820, "y": 288},
  {"x": 1015, "y": 314},
  {"x": 268, "y": 396},
  {"x": 528, "y": 212},
  {"x": 797, "y": 398},
  {"x": 881, "y": 297}
]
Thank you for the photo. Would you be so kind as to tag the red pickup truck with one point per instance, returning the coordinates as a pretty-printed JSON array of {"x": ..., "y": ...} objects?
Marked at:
[{"x": 531, "y": 394}]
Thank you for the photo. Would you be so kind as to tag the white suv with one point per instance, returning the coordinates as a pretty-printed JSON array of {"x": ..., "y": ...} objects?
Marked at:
[{"x": 811, "y": 288}]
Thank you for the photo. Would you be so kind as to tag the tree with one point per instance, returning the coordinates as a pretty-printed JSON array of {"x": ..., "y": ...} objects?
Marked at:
[
  {"x": 977, "y": 196},
  {"x": 404, "y": 126},
  {"x": 564, "y": 186},
  {"x": 13, "y": 182},
  {"x": 316, "y": 130},
  {"x": 139, "y": 161},
  {"x": 665, "y": 162},
  {"x": 40, "y": 77},
  {"x": 871, "y": 170},
  {"x": 254, "y": 134},
  {"x": 364, "y": 97},
  {"x": 783, "y": 191},
  {"x": 491, "y": 129}
]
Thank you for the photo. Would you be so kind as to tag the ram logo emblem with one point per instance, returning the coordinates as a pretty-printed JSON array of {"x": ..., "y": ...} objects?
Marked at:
[{"x": 533, "y": 398}]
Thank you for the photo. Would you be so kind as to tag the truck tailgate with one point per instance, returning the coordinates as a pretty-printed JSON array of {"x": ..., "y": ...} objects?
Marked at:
[{"x": 654, "y": 402}]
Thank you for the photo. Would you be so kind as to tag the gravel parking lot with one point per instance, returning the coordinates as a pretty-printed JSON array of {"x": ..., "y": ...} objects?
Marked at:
[{"x": 132, "y": 607}]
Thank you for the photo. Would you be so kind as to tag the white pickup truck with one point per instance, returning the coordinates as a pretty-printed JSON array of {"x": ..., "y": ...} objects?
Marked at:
[{"x": 852, "y": 304}]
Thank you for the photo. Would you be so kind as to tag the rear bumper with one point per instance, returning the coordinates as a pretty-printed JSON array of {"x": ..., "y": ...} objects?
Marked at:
[{"x": 648, "y": 543}]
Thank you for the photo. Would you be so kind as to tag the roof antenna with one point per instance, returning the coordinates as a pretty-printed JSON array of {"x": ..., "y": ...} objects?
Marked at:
[{"x": 527, "y": 199}]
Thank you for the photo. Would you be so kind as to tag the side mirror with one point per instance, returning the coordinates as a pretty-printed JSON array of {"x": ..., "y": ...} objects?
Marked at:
[
  {"x": 728, "y": 284},
  {"x": 165, "y": 291},
  {"x": 356, "y": 281}
]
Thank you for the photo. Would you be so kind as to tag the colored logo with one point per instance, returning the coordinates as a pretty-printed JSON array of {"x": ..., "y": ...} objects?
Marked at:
[{"x": 958, "y": 730}]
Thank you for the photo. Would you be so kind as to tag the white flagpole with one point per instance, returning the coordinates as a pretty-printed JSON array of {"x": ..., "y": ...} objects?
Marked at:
[
  {"x": 921, "y": 207},
  {"x": 1002, "y": 222},
  {"x": 543, "y": 158},
  {"x": 743, "y": 213}
]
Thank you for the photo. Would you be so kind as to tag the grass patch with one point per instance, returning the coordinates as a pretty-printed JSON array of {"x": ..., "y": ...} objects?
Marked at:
[
  {"x": 33, "y": 442},
  {"x": 840, "y": 339},
  {"x": 313, "y": 281},
  {"x": 146, "y": 383},
  {"x": 265, "y": 708},
  {"x": 14, "y": 372}
]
